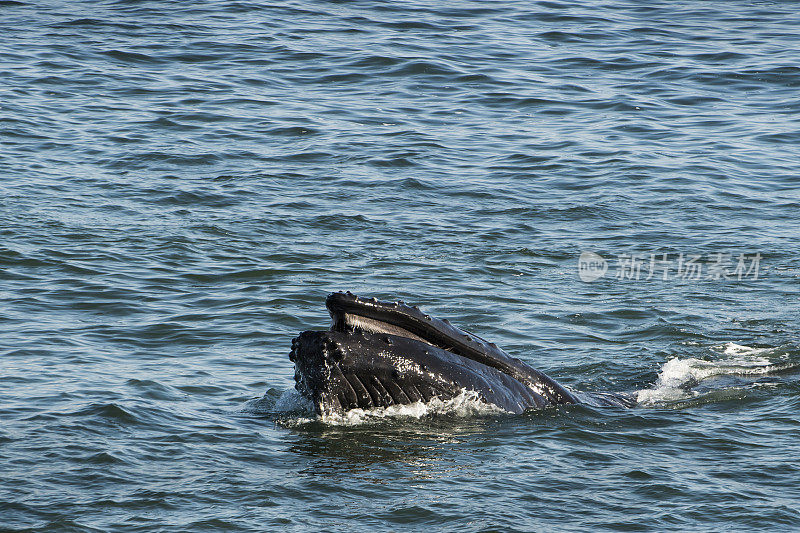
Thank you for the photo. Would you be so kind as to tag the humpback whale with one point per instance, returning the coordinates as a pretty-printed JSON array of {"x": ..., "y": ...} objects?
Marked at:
[{"x": 378, "y": 354}]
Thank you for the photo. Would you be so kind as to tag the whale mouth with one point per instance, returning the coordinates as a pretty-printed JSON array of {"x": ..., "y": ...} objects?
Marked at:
[{"x": 350, "y": 314}]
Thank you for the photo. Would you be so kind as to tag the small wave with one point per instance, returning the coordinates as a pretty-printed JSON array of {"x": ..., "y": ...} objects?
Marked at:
[
  {"x": 292, "y": 402},
  {"x": 678, "y": 376},
  {"x": 126, "y": 56}
]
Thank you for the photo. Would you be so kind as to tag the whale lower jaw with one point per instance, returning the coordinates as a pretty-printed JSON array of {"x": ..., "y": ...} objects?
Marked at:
[{"x": 340, "y": 371}]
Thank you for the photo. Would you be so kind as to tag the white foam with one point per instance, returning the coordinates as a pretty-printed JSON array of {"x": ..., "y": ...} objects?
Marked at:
[
  {"x": 731, "y": 348},
  {"x": 467, "y": 403},
  {"x": 678, "y": 375}
]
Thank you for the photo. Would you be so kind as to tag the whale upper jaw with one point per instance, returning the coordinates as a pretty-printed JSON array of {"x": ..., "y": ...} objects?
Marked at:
[{"x": 351, "y": 313}]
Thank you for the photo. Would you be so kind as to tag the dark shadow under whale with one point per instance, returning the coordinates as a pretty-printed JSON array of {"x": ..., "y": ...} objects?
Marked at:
[{"x": 378, "y": 354}]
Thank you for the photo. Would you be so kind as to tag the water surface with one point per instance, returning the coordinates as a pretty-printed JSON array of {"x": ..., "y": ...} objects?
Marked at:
[{"x": 181, "y": 185}]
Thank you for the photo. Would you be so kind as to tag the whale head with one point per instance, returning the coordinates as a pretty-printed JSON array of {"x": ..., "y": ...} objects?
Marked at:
[{"x": 378, "y": 354}]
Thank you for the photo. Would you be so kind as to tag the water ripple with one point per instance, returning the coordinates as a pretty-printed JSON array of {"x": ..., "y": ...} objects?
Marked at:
[{"x": 184, "y": 183}]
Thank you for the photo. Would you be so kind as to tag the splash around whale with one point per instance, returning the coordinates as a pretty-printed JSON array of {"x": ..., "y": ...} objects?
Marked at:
[{"x": 380, "y": 354}]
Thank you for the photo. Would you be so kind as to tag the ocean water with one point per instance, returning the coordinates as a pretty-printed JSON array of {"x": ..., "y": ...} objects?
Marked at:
[{"x": 182, "y": 184}]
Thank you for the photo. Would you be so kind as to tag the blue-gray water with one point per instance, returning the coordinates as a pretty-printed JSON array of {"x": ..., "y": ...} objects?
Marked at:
[{"x": 182, "y": 183}]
